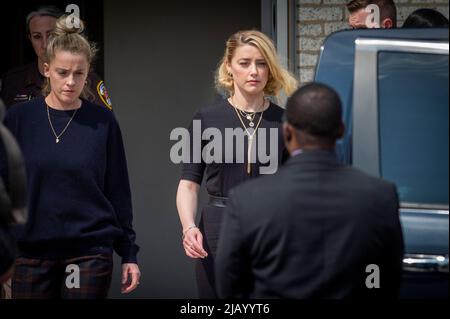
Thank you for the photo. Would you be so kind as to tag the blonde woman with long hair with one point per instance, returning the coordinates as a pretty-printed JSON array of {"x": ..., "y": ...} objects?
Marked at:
[{"x": 250, "y": 72}]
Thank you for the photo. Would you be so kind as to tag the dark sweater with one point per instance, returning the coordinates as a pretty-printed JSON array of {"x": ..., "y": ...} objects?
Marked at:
[{"x": 79, "y": 199}]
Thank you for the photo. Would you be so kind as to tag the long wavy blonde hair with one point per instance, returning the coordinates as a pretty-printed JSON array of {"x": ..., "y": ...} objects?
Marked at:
[
  {"x": 279, "y": 79},
  {"x": 68, "y": 38}
]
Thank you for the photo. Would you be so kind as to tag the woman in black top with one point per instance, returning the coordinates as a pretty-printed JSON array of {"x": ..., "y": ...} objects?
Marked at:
[{"x": 236, "y": 139}]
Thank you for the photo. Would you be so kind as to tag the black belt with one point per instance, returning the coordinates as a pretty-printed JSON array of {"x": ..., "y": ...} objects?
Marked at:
[{"x": 218, "y": 201}]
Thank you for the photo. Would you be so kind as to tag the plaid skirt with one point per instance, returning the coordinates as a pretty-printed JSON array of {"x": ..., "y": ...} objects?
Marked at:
[{"x": 86, "y": 277}]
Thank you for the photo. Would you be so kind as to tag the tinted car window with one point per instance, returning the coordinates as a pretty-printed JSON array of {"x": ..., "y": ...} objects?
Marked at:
[{"x": 413, "y": 119}]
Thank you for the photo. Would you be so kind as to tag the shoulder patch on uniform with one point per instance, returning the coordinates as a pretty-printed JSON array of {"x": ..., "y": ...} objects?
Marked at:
[{"x": 103, "y": 93}]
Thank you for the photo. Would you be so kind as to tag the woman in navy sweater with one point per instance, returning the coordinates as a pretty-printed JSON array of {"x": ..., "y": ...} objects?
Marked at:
[{"x": 79, "y": 197}]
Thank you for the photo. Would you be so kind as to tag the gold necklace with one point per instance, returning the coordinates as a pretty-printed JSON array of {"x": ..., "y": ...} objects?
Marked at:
[
  {"x": 250, "y": 136},
  {"x": 250, "y": 116},
  {"x": 57, "y": 136}
]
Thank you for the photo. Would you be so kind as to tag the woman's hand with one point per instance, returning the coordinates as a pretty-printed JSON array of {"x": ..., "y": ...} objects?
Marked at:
[
  {"x": 187, "y": 197},
  {"x": 193, "y": 243},
  {"x": 129, "y": 284}
]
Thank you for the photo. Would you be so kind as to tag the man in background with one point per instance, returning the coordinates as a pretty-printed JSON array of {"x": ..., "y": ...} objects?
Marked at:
[{"x": 359, "y": 18}]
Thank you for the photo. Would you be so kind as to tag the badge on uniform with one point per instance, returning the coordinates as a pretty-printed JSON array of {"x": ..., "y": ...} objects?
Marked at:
[
  {"x": 22, "y": 97},
  {"x": 103, "y": 93}
]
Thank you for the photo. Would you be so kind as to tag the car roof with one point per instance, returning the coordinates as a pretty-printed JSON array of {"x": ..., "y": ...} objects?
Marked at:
[
  {"x": 335, "y": 66},
  {"x": 336, "y": 61}
]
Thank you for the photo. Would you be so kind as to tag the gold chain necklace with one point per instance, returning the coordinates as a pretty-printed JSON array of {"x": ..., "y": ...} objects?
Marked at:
[
  {"x": 57, "y": 136},
  {"x": 250, "y": 116},
  {"x": 250, "y": 136}
]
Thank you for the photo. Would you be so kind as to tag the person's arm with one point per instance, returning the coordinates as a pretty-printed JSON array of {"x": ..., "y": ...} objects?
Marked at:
[
  {"x": 117, "y": 190},
  {"x": 187, "y": 199},
  {"x": 10, "y": 123},
  {"x": 232, "y": 264}
]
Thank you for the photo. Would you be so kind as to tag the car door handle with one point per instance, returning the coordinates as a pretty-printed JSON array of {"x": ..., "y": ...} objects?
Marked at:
[{"x": 425, "y": 263}]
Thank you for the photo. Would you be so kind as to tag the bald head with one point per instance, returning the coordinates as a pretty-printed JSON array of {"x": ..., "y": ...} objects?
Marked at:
[{"x": 315, "y": 112}]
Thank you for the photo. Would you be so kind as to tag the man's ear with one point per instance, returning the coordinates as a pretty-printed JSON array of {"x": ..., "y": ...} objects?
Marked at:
[
  {"x": 46, "y": 70},
  {"x": 387, "y": 23},
  {"x": 287, "y": 133}
]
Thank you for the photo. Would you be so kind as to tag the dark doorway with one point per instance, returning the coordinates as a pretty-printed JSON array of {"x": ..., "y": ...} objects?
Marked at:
[{"x": 17, "y": 49}]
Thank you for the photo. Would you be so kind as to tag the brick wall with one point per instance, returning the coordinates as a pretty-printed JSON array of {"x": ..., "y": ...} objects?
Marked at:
[{"x": 318, "y": 18}]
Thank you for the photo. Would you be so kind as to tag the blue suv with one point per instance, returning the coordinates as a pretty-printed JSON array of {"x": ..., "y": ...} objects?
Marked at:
[{"x": 394, "y": 89}]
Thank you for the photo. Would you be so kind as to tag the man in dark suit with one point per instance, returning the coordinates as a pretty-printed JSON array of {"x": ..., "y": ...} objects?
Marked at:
[{"x": 315, "y": 229}]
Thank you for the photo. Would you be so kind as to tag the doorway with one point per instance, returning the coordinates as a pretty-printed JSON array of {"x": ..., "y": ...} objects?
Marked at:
[{"x": 17, "y": 49}]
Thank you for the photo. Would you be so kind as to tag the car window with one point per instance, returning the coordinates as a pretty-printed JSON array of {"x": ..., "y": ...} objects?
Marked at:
[{"x": 413, "y": 122}]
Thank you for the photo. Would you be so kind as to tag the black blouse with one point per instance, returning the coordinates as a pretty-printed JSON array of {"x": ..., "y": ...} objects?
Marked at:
[{"x": 225, "y": 171}]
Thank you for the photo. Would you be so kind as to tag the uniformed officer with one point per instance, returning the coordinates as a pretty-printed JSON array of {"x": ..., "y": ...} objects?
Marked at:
[{"x": 26, "y": 82}]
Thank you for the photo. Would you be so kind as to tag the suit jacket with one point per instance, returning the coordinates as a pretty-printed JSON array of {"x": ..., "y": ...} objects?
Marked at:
[{"x": 311, "y": 230}]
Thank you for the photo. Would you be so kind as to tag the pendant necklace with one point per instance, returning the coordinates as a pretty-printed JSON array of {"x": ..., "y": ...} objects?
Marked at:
[
  {"x": 250, "y": 117},
  {"x": 58, "y": 136}
]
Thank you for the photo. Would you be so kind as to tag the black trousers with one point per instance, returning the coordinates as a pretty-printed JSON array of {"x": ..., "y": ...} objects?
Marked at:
[{"x": 204, "y": 269}]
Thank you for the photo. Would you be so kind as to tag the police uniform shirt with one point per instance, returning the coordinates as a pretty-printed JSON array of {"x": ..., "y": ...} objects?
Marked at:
[{"x": 25, "y": 83}]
